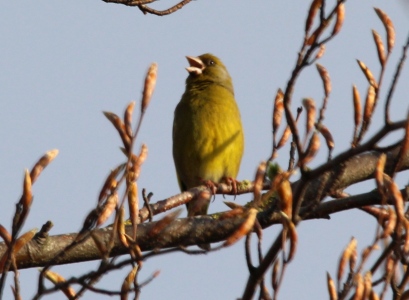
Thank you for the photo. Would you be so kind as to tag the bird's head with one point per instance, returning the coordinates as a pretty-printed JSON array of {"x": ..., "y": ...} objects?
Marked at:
[{"x": 208, "y": 67}]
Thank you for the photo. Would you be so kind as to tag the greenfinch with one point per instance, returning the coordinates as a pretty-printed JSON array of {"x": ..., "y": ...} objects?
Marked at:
[{"x": 208, "y": 139}]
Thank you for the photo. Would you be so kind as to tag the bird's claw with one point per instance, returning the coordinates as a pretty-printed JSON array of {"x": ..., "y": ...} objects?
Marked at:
[
  {"x": 233, "y": 183},
  {"x": 212, "y": 186}
]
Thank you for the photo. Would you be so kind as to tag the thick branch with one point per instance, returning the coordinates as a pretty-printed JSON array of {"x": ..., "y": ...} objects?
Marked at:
[
  {"x": 187, "y": 231},
  {"x": 210, "y": 229}
]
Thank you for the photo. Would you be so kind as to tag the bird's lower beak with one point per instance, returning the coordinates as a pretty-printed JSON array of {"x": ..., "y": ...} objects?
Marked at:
[{"x": 196, "y": 65}]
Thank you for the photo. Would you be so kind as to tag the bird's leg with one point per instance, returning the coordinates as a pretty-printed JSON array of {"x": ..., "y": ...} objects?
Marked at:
[{"x": 213, "y": 186}]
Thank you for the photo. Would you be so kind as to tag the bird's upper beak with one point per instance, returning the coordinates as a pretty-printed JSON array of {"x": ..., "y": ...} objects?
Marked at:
[{"x": 196, "y": 65}]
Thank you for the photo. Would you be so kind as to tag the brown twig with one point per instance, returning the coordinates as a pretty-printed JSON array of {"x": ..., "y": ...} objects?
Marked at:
[{"x": 395, "y": 81}]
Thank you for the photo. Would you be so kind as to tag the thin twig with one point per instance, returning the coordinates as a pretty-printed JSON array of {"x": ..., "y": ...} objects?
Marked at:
[{"x": 394, "y": 81}]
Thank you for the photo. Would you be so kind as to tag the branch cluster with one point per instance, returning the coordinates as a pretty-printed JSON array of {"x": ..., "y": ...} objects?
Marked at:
[{"x": 276, "y": 199}]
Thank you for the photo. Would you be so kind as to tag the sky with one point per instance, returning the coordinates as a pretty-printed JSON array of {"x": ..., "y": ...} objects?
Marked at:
[{"x": 64, "y": 62}]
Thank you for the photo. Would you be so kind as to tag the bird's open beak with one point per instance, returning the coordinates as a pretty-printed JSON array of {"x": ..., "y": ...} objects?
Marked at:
[{"x": 196, "y": 65}]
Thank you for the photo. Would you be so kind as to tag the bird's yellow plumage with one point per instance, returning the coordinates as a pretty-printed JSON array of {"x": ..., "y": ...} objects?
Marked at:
[{"x": 208, "y": 139}]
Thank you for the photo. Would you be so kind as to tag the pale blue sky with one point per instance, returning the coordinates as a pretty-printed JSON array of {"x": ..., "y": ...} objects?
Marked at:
[{"x": 63, "y": 62}]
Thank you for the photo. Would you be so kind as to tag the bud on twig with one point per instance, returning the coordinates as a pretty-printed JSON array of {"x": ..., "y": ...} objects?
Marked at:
[
  {"x": 150, "y": 83},
  {"x": 120, "y": 127},
  {"x": 128, "y": 281},
  {"x": 278, "y": 110},
  {"x": 390, "y": 30},
  {"x": 258, "y": 181},
  {"x": 320, "y": 52},
  {"x": 42, "y": 163},
  {"x": 315, "y": 5},
  {"x": 369, "y": 105},
  {"x": 340, "y": 18},
  {"x": 380, "y": 48},
  {"x": 327, "y": 136},
  {"x": 325, "y": 79},
  {"x": 108, "y": 208},
  {"x": 331, "y": 288},
  {"x": 128, "y": 118},
  {"x": 58, "y": 279},
  {"x": 244, "y": 228},
  {"x": 284, "y": 137},
  {"x": 309, "y": 105},
  {"x": 312, "y": 149},
  {"x": 368, "y": 74},
  {"x": 357, "y": 106},
  {"x": 133, "y": 203}
]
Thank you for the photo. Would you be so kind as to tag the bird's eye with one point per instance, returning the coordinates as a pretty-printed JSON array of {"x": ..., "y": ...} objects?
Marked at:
[{"x": 211, "y": 63}]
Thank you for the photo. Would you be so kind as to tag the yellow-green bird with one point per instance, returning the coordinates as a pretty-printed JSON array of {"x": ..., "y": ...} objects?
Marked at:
[{"x": 208, "y": 139}]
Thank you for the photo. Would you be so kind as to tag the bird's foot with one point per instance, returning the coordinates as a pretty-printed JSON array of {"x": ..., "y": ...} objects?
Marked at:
[
  {"x": 233, "y": 183},
  {"x": 212, "y": 186}
]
